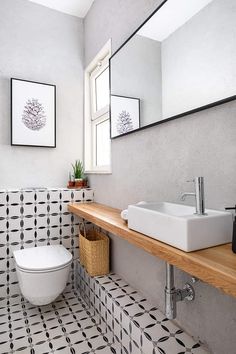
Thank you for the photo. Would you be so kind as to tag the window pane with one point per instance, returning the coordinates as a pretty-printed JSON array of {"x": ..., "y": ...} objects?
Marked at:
[
  {"x": 102, "y": 89},
  {"x": 103, "y": 143}
]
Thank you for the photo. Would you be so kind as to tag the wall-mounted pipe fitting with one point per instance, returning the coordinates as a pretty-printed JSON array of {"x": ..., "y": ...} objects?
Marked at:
[{"x": 173, "y": 295}]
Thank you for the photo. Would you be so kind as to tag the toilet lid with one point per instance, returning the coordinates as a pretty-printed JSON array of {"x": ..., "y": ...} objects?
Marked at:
[{"x": 42, "y": 258}]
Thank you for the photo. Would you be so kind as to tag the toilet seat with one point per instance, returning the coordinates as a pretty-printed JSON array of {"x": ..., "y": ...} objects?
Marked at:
[
  {"x": 42, "y": 259},
  {"x": 42, "y": 271}
]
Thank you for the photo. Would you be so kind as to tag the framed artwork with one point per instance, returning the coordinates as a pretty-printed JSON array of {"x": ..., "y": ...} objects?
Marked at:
[
  {"x": 125, "y": 115},
  {"x": 33, "y": 113}
]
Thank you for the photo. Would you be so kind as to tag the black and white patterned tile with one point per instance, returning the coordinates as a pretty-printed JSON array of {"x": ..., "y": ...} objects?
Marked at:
[
  {"x": 68, "y": 326},
  {"x": 36, "y": 217},
  {"x": 93, "y": 315},
  {"x": 139, "y": 327}
]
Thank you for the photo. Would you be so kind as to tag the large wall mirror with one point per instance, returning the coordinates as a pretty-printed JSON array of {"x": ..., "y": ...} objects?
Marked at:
[{"x": 181, "y": 60}]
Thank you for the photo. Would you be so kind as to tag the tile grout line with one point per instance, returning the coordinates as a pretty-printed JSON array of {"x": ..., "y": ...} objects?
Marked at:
[
  {"x": 63, "y": 329},
  {"x": 91, "y": 318},
  {"x": 27, "y": 327},
  {"x": 49, "y": 341}
]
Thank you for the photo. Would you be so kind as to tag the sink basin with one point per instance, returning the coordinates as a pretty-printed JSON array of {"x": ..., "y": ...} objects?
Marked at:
[{"x": 178, "y": 226}]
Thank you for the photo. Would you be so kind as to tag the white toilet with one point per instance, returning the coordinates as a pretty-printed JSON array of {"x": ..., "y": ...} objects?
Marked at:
[{"x": 42, "y": 272}]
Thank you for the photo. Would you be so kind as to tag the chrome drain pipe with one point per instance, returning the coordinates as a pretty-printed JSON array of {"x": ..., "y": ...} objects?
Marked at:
[
  {"x": 170, "y": 293},
  {"x": 173, "y": 295}
]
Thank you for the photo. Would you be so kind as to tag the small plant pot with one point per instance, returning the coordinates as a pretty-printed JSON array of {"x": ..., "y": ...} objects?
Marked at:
[
  {"x": 85, "y": 183},
  {"x": 71, "y": 184},
  {"x": 79, "y": 182}
]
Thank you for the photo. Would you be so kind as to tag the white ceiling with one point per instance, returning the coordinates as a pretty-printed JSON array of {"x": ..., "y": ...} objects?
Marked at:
[
  {"x": 171, "y": 16},
  {"x": 77, "y": 8}
]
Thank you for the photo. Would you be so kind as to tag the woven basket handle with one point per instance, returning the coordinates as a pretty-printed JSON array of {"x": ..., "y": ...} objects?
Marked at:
[{"x": 84, "y": 228}]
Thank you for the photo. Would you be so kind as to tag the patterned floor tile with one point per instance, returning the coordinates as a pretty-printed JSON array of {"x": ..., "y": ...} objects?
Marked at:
[
  {"x": 113, "y": 349},
  {"x": 41, "y": 348},
  {"x": 67, "y": 326}
]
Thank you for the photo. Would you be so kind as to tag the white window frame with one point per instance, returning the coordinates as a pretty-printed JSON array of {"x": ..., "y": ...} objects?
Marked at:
[{"x": 92, "y": 117}]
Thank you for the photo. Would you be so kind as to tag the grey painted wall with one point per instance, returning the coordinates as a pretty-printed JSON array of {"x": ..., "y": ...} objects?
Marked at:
[
  {"x": 153, "y": 165},
  {"x": 198, "y": 60},
  {"x": 136, "y": 72},
  {"x": 43, "y": 45}
]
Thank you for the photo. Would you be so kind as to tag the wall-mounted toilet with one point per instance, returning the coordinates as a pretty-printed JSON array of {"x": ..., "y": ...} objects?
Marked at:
[{"x": 42, "y": 272}]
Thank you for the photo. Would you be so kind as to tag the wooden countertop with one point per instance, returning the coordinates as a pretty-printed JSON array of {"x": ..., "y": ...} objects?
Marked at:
[{"x": 215, "y": 265}]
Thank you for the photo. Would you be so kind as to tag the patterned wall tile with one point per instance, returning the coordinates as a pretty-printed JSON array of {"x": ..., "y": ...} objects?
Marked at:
[
  {"x": 137, "y": 326},
  {"x": 36, "y": 217}
]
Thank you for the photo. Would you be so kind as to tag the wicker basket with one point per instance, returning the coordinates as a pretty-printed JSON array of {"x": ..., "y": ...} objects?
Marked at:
[{"x": 94, "y": 252}]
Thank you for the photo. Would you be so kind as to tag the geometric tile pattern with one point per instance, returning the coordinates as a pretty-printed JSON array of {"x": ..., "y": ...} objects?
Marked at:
[
  {"x": 36, "y": 217},
  {"x": 68, "y": 326},
  {"x": 139, "y": 327},
  {"x": 93, "y": 315}
]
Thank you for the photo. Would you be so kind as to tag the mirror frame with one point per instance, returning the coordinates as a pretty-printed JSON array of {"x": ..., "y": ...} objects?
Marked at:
[{"x": 192, "y": 111}]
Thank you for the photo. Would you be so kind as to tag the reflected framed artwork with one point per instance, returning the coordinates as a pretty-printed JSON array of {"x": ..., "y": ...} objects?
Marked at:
[
  {"x": 174, "y": 60},
  {"x": 125, "y": 115},
  {"x": 33, "y": 113}
]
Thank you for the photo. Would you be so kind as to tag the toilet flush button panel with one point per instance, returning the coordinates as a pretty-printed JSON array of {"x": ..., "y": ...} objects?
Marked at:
[{"x": 42, "y": 258}]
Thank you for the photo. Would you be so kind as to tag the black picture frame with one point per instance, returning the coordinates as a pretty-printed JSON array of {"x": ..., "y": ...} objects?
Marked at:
[
  {"x": 14, "y": 141},
  {"x": 133, "y": 100},
  {"x": 181, "y": 115}
]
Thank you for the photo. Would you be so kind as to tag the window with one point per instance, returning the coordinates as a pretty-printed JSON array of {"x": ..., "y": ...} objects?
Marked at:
[{"x": 97, "y": 118}]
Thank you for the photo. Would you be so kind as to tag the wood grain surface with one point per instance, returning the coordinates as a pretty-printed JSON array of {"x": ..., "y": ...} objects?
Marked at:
[{"x": 215, "y": 265}]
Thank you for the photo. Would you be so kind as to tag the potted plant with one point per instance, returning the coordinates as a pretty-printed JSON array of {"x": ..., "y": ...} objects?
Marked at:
[
  {"x": 71, "y": 183},
  {"x": 85, "y": 181},
  {"x": 78, "y": 170}
]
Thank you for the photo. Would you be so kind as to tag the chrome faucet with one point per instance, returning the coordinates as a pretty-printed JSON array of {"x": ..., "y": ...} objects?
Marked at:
[{"x": 199, "y": 195}]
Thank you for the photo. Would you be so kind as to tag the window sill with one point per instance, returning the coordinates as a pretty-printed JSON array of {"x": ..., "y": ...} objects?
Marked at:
[{"x": 98, "y": 172}]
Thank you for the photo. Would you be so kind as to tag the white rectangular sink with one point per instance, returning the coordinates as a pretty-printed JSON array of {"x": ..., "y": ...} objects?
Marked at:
[{"x": 179, "y": 226}]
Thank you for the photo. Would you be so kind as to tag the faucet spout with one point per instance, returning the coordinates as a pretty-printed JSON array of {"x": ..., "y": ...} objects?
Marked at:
[{"x": 184, "y": 195}]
